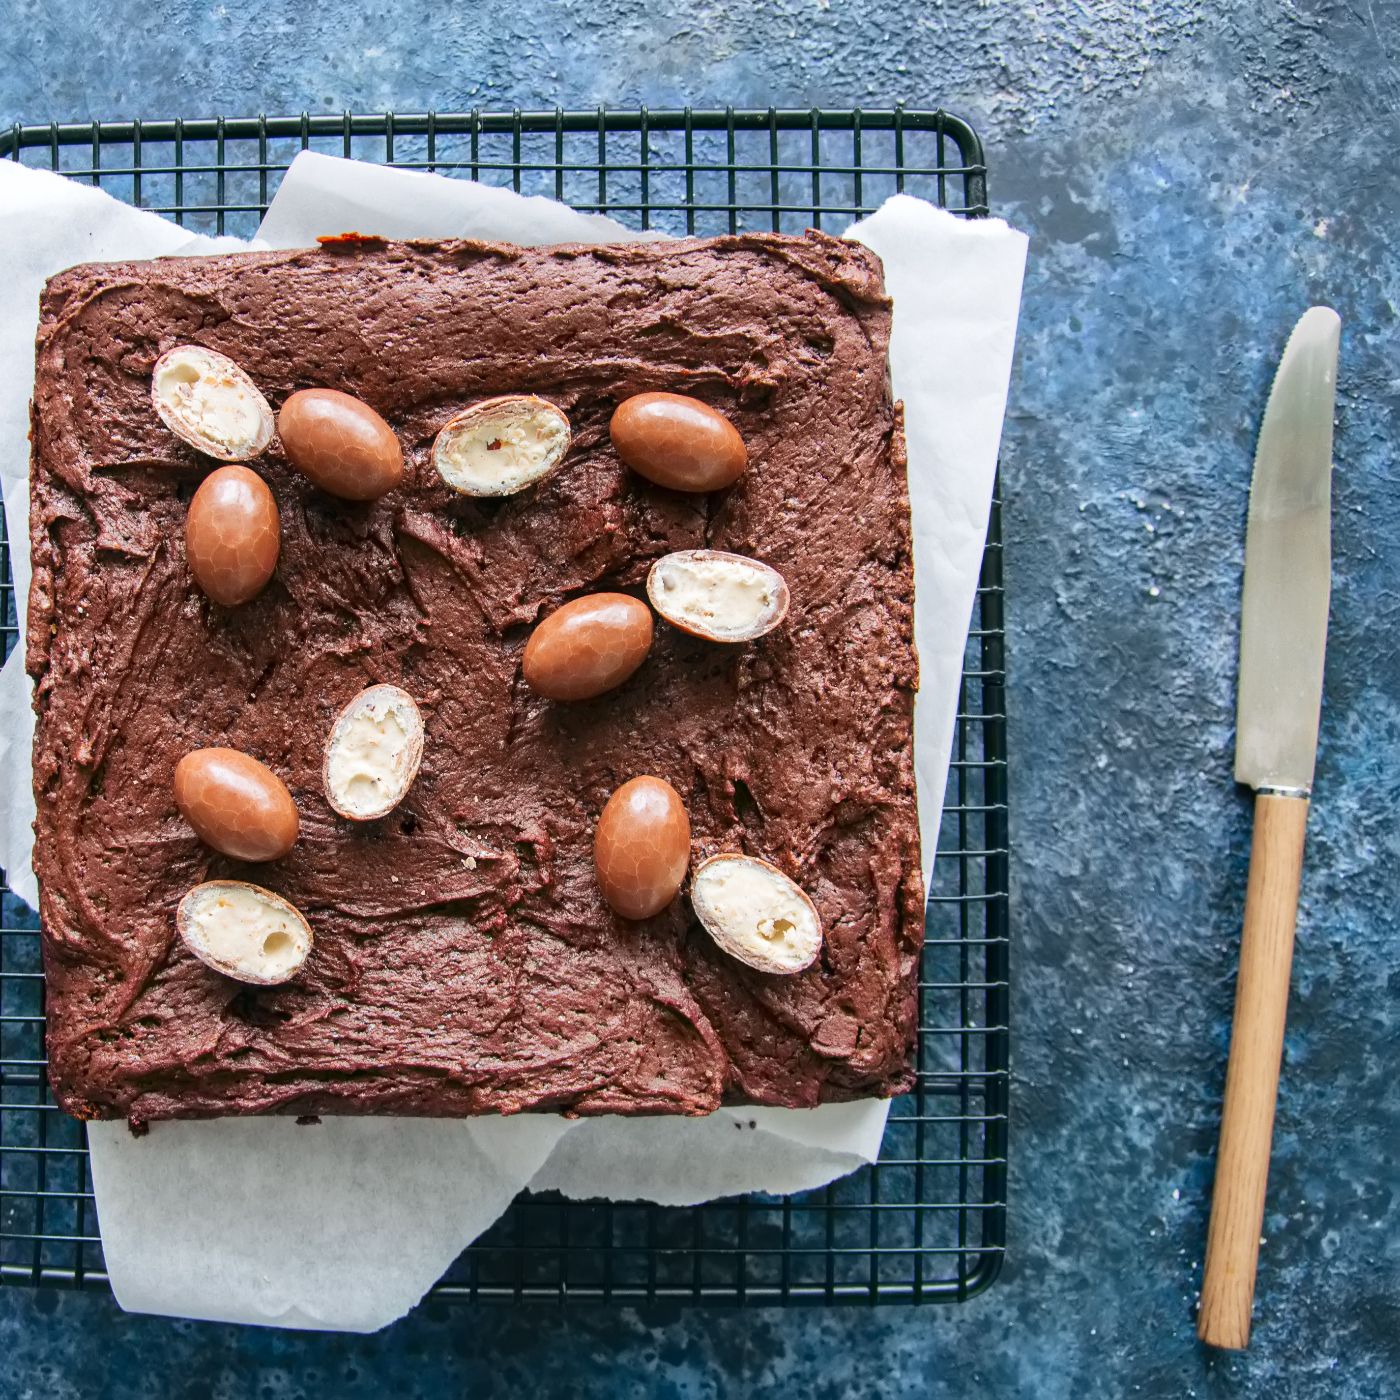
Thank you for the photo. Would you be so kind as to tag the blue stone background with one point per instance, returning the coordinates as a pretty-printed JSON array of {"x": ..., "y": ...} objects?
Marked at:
[{"x": 1192, "y": 176}]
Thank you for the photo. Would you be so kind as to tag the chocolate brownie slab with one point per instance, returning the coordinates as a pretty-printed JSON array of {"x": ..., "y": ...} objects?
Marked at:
[{"x": 464, "y": 960}]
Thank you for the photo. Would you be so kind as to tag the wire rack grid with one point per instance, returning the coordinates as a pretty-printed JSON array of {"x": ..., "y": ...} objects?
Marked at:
[{"x": 927, "y": 1222}]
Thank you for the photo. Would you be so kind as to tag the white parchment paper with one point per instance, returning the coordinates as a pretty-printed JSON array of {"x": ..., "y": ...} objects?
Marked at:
[{"x": 346, "y": 1225}]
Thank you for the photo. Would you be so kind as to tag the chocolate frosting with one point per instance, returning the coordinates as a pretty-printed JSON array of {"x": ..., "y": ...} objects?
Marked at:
[{"x": 464, "y": 961}]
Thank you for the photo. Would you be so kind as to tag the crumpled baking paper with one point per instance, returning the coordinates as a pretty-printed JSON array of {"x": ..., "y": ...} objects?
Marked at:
[{"x": 346, "y": 1225}]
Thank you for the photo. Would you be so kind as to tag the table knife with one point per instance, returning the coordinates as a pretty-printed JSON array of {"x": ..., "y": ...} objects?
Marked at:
[{"x": 1283, "y": 635}]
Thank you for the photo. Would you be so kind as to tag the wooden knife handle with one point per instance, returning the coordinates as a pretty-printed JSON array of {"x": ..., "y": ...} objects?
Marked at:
[{"x": 1251, "y": 1083}]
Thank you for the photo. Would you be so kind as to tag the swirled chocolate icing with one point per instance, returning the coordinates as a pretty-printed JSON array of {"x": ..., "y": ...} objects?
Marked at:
[{"x": 464, "y": 961}]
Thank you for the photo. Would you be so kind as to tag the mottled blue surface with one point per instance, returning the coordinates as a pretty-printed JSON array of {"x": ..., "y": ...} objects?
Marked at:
[{"x": 1192, "y": 177}]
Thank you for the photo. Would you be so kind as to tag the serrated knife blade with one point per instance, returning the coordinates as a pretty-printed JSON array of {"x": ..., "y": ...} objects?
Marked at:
[{"x": 1288, "y": 564}]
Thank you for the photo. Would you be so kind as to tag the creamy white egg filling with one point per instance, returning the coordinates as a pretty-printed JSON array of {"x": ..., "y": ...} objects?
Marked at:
[
  {"x": 204, "y": 398},
  {"x": 244, "y": 931},
  {"x": 725, "y": 597},
  {"x": 373, "y": 753},
  {"x": 501, "y": 446},
  {"x": 756, "y": 914}
]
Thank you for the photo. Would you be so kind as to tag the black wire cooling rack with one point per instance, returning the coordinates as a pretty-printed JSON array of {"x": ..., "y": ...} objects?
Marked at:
[{"x": 928, "y": 1221}]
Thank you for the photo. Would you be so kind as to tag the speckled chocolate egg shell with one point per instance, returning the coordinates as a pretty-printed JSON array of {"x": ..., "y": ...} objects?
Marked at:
[
  {"x": 235, "y": 804},
  {"x": 642, "y": 847},
  {"x": 232, "y": 535},
  {"x": 678, "y": 441},
  {"x": 587, "y": 646},
  {"x": 341, "y": 443}
]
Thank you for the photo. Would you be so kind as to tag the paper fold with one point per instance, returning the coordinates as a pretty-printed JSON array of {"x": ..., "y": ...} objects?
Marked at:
[
  {"x": 345, "y": 1225},
  {"x": 342, "y": 1225}
]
